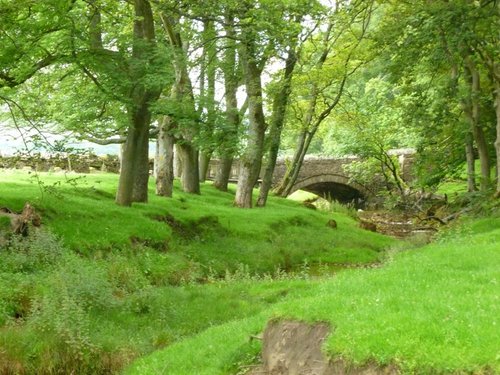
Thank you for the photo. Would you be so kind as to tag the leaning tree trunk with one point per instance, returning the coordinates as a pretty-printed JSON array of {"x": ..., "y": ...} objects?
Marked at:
[
  {"x": 291, "y": 174},
  {"x": 280, "y": 103},
  {"x": 311, "y": 119},
  {"x": 165, "y": 160},
  {"x": 290, "y": 170},
  {"x": 308, "y": 136},
  {"x": 251, "y": 160}
]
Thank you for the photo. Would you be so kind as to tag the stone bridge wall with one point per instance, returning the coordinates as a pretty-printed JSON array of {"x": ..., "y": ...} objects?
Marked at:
[
  {"x": 315, "y": 167},
  {"x": 324, "y": 171}
]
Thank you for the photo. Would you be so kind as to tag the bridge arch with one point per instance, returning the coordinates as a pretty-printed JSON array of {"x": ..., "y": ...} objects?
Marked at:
[{"x": 335, "y": 186}]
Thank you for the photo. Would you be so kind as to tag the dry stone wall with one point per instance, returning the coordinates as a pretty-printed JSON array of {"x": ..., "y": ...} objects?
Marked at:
[{"x": 54, "y": 163}]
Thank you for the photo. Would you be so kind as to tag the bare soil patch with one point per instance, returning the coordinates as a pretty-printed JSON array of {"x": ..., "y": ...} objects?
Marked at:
[{"x": 294, "y": 348}]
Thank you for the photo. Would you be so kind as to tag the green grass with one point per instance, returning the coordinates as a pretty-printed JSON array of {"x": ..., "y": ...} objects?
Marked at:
[
  {"x": 213, "y": 233},
  {"x": 456, "y": 184},
  {"x": 125, "y": 284},
  {"x": 431, "y": 310},
  {"x": 452, "y": 188},
  {"x": 118, "y": 283}
]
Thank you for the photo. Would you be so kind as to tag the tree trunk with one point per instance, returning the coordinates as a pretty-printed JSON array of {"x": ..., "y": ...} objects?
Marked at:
[
  {"x": 189, "y": 177},
  {"x": 497, "y": 142},
  {"x": 474, "y": 118},
  {"x": 290, "y": 171},
  {"x": 182, "y": 93},
  {"x": 471, "y": 169},
  {"x": 204, "y": 163},
  {"x": 223, "y": 173},
  {"x": 177, "y": 162},
  {"x": 133, "y": 158},
  {"x": 209, "y": 64},
  {"x": 267, "y": 180},
  {"x": 301, "y": 156},
  {"x": 229, "y": 137},
  {"x": 165, "y": 159},
  {"x": 303, "y": 143},
  {"x": 493, "y": 66},
  {"x": 133, "y": 181},
  {"x": 280, "y": 103},
  {"x": 140, "y": 190},
  {"x": 251, "y": 160}
]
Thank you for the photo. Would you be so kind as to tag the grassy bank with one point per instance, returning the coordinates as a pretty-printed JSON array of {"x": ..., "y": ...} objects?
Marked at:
[
  {"x": 204, "y": 228},
  {"x": 101, "y": 285},
  {"x": 431, "y": 310}
]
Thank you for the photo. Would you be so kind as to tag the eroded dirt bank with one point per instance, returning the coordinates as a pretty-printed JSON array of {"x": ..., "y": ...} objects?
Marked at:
[{"x": 294, "y": 348}]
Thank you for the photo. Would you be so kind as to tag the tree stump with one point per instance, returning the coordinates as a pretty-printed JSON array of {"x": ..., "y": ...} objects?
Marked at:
[{"x": 20, "y": 222}]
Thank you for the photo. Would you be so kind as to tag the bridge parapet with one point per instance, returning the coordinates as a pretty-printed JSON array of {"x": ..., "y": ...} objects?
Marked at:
[{"x": 329, "y": 177}]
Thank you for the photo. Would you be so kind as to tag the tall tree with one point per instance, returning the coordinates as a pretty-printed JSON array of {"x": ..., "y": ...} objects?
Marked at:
[
  {"x": 185, "y": 119},
  {"x": 251, "y": 160},
  {"x": 229, "y": 132},
  {"x": 280, "y": 103},
  {"x": 326, "y": 85},
  {"x": 462, "y": 30},
  {"x": 207, "y": 107},
  {"x": 133, "y": 182}
]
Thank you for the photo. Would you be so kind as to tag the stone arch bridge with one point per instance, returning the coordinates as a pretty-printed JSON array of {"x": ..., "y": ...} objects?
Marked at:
[{"x": 328, "y": 177}]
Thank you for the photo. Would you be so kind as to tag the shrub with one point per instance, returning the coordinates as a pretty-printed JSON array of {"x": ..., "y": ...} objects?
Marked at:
[
  {"x": 65, "y": 327},
  {"x": 38, "y": 251},
  {"x": 84, "y": 281}
]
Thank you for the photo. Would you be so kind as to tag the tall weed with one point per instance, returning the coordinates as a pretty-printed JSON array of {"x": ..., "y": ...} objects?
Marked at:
[{"x": 38, "y": 251}]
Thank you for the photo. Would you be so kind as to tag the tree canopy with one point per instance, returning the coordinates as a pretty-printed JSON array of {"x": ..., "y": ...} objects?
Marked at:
[{"x": 256, "y": 80}]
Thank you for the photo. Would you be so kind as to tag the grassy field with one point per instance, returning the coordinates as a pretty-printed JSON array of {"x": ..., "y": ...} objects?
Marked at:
[
  {"x": 101, "y": 285},
  {"x": 177, "y": 286},
  {"x": 428, "y": 311}
]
